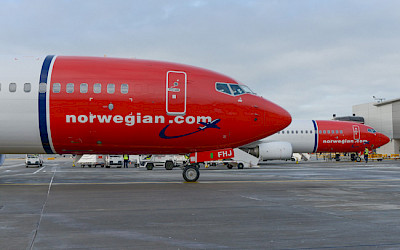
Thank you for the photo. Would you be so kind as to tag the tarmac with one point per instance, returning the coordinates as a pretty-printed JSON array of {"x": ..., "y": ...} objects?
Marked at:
[{"x": 279, "y": 205}]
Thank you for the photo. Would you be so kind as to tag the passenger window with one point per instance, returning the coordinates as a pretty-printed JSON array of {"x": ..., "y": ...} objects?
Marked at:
[
  {"x": 329, "y": 131},
  {"x": 97, "y": 88},
  {"x": 124, "y": 88},
  {"x": 0, "y": 86},
  {"x": 337, "y": 131},
  {"x": 27, "y": 87},
  {"x": 13, "y": 87},
  {"x": 311, "y": 131},
  {"x": 324, "y": 131},
  {"x": 283, "y": 132},
  {"x": 70, "y": 88},
  {"x": 42, "y": 87},
  {"x": 223, "y": 87},
  {"x": 236, "y": 89},
  {"x": 83, "y": 88},
  {"x": 341, "y": 131},
  {"x": 111, "y": 88},
  {"x": 297, "y": 132},
  {"x": 56, "y": 87},
  {"x": 333, "y": 131},
  {"x": 301, "y": 131}
]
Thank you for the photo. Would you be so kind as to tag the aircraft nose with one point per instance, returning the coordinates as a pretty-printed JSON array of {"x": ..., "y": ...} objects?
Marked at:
[
  {"x": 383, "y": 139},
  {"x": 276, "y": 117}
]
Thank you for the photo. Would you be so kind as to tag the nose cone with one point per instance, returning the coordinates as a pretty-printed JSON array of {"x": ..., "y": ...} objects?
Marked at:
[
  {"x": 276, "y": 118},
  {"x": 382, "y": 139}
]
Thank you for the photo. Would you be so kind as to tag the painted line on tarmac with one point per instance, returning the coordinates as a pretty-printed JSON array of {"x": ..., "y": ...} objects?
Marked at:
[
  {"x": 40, "y": 169},
  {"x": 193, "y": 183},
  {"x": 12, "y": 166}
]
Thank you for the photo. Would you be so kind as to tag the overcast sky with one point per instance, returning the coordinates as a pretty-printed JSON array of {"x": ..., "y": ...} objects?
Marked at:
[{"x": 314, "y": 58}]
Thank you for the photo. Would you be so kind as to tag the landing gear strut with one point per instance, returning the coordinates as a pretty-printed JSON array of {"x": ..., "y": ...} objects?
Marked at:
[{"x": 191, "y": 173}]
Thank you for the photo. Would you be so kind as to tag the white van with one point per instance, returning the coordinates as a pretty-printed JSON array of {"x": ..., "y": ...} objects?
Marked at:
[
  {"x": 114, "y": 160},
  {"x": 33, "y": 160}
]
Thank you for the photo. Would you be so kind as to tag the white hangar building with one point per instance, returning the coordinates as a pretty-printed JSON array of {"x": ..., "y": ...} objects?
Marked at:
[{"x": 383, "y": 116}]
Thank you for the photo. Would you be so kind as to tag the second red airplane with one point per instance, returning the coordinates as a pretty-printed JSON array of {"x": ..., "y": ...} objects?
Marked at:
[{"x": 315, "y": 136}]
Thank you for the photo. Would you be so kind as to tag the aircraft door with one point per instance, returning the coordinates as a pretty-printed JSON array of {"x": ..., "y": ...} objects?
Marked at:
[
  {"x": 176, "y": 93},
  {"x": 356, "y": 132}
]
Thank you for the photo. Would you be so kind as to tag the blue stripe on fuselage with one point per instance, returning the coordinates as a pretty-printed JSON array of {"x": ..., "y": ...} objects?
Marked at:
[
  {"x": 316, "y": 136},
  {"x": 44, "y": 136}
]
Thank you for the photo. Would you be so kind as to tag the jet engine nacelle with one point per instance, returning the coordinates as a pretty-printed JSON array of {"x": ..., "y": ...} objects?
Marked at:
[{"x": 278, "y": 150}]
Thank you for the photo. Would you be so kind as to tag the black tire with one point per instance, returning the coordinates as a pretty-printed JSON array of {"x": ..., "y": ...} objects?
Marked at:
[
  {"x": 169, "y": 165},
  {"x": 150, "y": 166},
  {"x": 229, "y": 166},
  {"x": 240, "y": 165},
  {"x": 107, "y": 166},
  {"x": 26, "y": 165},
  {"x": 191, "y": 173}
]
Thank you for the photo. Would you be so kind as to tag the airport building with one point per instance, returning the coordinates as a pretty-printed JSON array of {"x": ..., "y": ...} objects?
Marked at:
[{"x": 384, "y": 116}]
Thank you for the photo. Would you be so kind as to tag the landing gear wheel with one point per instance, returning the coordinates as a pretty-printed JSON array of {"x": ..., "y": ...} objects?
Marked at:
[
  {"x": 240, "y": 166},
  {"x": 169, "y": 165},
  {"x": 358, "y": 159},
  {"x": 229, "y": 166},
  {"x": 191, "y": 173}
]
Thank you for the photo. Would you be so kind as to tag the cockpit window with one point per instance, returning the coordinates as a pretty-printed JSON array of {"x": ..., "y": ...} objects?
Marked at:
[
  {"x": 237, "y": 90},
  {"x": 246, "y": 89},
  {"x": 223, "y": 87},
  {"x": 232, "y": 88},
  {"x": 372, "y": 130}
]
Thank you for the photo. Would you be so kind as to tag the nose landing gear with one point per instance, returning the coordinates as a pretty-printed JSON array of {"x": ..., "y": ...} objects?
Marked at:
[{"x": 191, "y": 173}]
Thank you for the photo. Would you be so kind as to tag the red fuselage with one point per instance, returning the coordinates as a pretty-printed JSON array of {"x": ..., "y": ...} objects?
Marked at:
[{"x": 113, "y": 106}]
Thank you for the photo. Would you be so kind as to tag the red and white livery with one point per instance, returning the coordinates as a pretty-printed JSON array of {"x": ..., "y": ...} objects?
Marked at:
[
  {"x": 314, "y": 136},
  {"x": 89, "y": 105}
]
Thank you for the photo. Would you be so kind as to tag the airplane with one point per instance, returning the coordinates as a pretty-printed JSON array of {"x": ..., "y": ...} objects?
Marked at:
[
  {"x": 100, "y": 105},
  {"x": 316, "y": 136}
]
